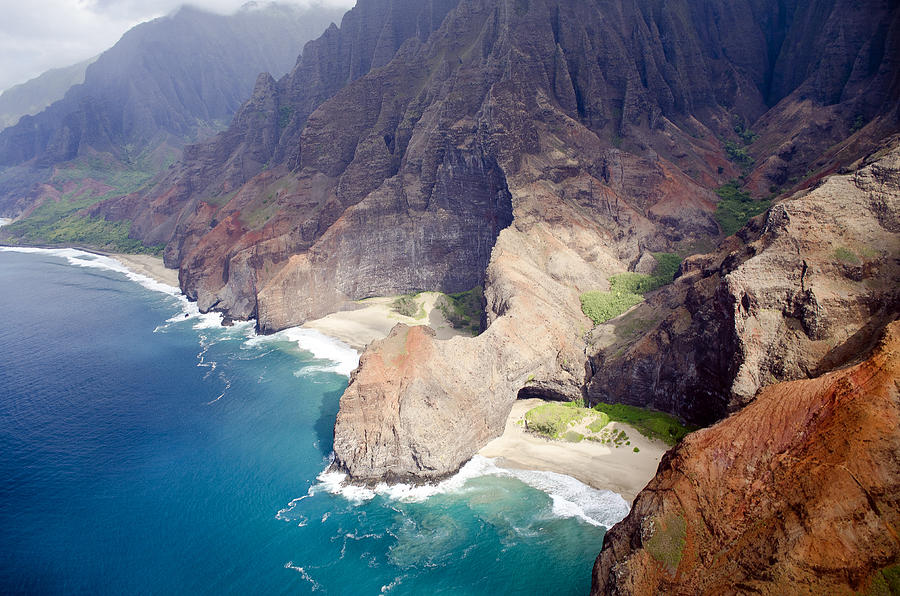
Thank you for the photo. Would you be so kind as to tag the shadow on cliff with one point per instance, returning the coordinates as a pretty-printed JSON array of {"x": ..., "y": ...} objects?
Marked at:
[{"x": 324, "y": 426}]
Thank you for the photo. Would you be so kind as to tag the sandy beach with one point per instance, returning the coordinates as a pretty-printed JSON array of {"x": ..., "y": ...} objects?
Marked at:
[
  {"x": 620, "y": 470},
  {"x": 150, "y": 266},
  {"x": 374, "y": 318}
]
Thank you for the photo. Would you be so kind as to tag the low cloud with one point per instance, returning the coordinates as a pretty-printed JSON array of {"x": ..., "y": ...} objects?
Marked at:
[{"x": 43, "y": 34}]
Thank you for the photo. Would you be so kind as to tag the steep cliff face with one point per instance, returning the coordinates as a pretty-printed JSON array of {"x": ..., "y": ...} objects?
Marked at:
[
  {"x": 534, "y": 146},
  {"x": 166, "y": 82},
  {"x": 799, "y": 291},
  {"x": 798, "y": 493}
]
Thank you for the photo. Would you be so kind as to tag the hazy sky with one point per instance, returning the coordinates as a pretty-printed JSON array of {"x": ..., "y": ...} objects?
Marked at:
[{"x": 36, "y": 35}]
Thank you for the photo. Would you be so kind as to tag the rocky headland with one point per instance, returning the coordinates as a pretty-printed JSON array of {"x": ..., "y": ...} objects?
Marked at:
[{"x": 537, "y": 148}]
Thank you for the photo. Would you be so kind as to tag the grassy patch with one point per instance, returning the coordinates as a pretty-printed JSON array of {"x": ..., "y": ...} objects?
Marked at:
[
  {"x": 628, "y": 289},
  {"x": 651, "y": 424},
  {"x": 736, "y": 207},
  {"x": 845, "y": 255},
  {"x": 89, "y": 231},
  {"x": 666, "y": 544},
  {"x": 408, "y": 306},
  {"x": 463, "y": 309},
  {"x": 573, "y": 436},
  {"x": 598, "y": 424},
  {"x": 553, "y": 419}
]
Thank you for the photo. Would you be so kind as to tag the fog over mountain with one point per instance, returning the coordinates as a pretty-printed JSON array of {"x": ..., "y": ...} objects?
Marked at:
[{"x": 46, "y": 34}]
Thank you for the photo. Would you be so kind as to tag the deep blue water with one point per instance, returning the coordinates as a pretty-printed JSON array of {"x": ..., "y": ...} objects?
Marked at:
[{"x": 144, "y": 449}]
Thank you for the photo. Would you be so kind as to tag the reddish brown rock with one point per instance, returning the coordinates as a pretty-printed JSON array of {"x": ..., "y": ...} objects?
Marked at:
[
  {"x": 798, "y": 493},
  {"x": 802, "y": 289}
]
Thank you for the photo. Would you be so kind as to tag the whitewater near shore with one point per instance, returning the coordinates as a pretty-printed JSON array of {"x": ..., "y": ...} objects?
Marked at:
[{"x": 603, "y": 467}]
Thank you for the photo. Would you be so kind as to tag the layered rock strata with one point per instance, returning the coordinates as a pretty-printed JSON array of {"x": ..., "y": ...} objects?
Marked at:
[
  {"x": 798, "y": 493},
  {"x": 804, "y": 288}
]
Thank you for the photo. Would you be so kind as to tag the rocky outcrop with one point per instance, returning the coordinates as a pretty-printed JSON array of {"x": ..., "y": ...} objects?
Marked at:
[
  {"x": 534, "y": 147},
  {"x": 798, "y": 493},
  {"x": 801, "y": 290}
]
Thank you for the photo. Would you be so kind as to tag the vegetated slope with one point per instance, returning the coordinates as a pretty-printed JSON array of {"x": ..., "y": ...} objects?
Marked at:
[
  {"x": 33, "y": 96},
  {"x": 797, "y": 292},
  {"x": 798, "y": 493},
  {"x": 533, "y": 145},
  {"x": 164, "y": 84}
]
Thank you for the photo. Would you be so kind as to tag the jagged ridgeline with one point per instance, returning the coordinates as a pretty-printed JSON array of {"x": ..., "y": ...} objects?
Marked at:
[
  {"x": 166, "y": 83},
  {"x": 382, "y": 163}
]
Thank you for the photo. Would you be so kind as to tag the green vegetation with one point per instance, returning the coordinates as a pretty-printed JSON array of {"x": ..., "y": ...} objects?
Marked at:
[
  {"x": 846, "y": 255},
  {"x": 463, "y": 310},
  {"x": 284, "y": 116},
  {"x": 599, "y": 424},
  {"x": 409, "y": 306},
  {"x": 886, "y": 582},
  {"x": 553, "y": 419},
  {"x": 746, "y": 135},
  {"x": 573, "y": 437},
  {"x": 651, "y": 424},
  {"x": 603, "y": 306},
  {"x": 627, "y": 289},
  {"x": 99, "y": 177},
  {"x": 858, "y": 123},
  {"x": 736, "y": 207},
  {"x": 666, "y": 543},
  {"x": 738, "y": 154},
  {"x": 636, "y": 450},
  {"x": 89, "y": 231}
]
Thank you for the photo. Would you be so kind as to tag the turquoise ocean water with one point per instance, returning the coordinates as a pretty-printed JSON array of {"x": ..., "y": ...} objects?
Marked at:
[{"x": 145, "y": 449}]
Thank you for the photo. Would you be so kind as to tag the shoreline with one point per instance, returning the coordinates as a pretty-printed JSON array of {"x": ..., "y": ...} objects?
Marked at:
[
  {"x": 373, "y": 319},
  {"x": 599, "y": 466}
]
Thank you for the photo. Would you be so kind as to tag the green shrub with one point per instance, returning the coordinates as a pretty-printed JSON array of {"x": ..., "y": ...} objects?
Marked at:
[
  {"x": 553, "y": 419},
  {"x": 738, "y": 155},
  {"x": 636, "y": 450},
  {"x": 627, "y": 289},
  {"x": 573, "y": 436},
  {"x": 599, "y": 424},
  {"x": 651, "y": 424},
  {"x": 463, "y": 309},
  {"x": 846, "y": 255},
  {"x": 408, "y": 306},
  {"x": 736, "y": 207},
  {"x": 666, "y": 544}
]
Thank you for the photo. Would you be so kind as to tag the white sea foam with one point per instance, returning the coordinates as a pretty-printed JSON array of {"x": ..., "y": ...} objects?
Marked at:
[
  {"x": 342, "y": 357},
  {"x": 569, "y": 496},
  {"x": 80, "y": 258},
  {"x": 315, "y": 585}
]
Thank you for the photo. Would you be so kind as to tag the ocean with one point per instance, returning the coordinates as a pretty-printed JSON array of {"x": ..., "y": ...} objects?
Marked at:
[{"x": 144, "y": 448}]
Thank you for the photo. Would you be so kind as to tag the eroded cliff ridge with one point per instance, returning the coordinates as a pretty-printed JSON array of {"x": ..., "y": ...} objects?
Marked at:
[
  {"x": 534, "y": 147},
  {"x": 804, "y": 288},
  {"x": 798, "y": 493}
]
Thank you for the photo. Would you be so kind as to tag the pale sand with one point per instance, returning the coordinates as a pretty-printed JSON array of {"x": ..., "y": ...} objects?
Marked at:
[
  {"x": 374, "y": 318},
  {"x": 620, "y": 470},
  {"x": 150, "y": 266}
]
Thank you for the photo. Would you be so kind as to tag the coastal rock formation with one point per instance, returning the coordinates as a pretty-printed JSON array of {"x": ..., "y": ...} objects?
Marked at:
[
  {"x": 798, "y": 493},
  {"x": 534, "y": 147},
  {"x": 803, "y": 289}
]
